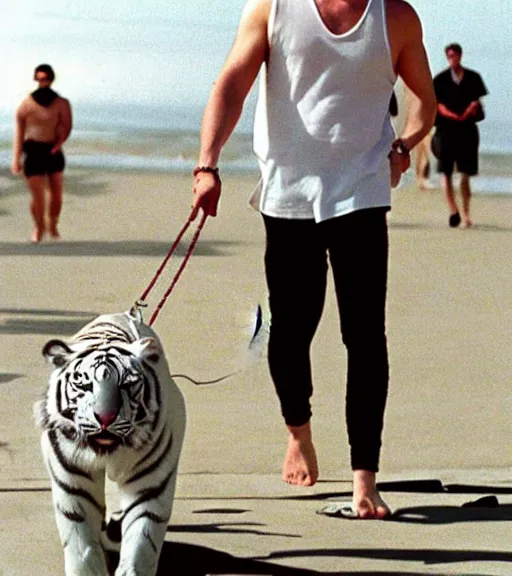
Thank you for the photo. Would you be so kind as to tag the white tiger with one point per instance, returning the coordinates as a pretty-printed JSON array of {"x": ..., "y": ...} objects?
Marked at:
[{"x": 111, "y": 408}]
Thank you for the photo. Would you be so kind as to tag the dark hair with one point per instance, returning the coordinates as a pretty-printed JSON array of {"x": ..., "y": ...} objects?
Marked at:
[
  {"x": 457, "y": 48},
  {"x": 45, "y": 69}
]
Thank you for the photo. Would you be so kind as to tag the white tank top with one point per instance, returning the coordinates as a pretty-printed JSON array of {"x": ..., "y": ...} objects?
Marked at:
[{"x": 322, "y": 128}]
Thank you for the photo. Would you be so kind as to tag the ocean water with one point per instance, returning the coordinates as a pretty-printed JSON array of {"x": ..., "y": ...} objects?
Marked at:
[
  {"x": 166, "y": 139},
  {"x": 140, "y": 137}
]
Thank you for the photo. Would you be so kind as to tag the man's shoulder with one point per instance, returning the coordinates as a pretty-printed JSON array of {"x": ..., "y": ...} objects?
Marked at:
[
  {"x": 404, "y": 24},
  {"x": 62, "y": 101},
  {"x": 60, "y": 104},
  {"x": 257, "y": 9},
  {"x": 475, "y": 81},
  {"x": 401, "y": 10},
  {"x": 472, "y": 73},
  {"x": 443, "y": 81},
  {"x": 443, "y": 75},
  {"x": 25, "y": 105}
]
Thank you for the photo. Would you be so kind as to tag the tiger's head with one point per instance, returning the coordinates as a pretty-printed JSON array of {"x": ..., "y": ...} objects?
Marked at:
[{"x": 103, "y": 396}]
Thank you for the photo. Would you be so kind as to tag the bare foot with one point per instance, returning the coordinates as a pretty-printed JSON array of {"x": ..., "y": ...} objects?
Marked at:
[
  {"x": 54, "y": 233},
  {"x": 468, "y": 223},
  {"x": 425, "y": 184},
  {"x": 366, "y": 498},
  {"x": 300, "y": 466},
  {"x": 37, "y": 235}
]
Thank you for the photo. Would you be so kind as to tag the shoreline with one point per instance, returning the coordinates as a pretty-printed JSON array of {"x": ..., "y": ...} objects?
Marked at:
[
  {"x": 483, "y": 185},
  {"x": 171, "y": 151}
]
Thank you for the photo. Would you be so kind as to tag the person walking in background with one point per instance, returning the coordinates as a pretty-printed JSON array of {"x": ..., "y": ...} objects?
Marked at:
[
  {"x": 43, "y": 122},
  {"x": 421, "y": 152},
  {"x": 422, "y": 163},
  {"x": 458, "y": 92},
  {"x": 328, "y": 157}
]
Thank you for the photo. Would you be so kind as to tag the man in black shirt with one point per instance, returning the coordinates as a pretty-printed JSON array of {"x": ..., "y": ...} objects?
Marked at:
[{"x": 458, "y": 92}]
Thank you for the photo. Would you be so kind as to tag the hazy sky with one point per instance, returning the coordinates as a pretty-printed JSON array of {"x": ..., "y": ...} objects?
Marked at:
[
  {"x": 157, "y": 50},
  {"x": 169, "y": 51}
]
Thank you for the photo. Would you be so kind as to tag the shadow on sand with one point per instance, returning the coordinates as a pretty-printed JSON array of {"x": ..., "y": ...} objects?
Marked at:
[
  {"x": 431, "y": 226},
  {"x": 452, "y": 514},
  {"x": 486, "y": 509},
  {"x": 423, "y": 556},
  {"x": 46, "y": 322},
  {"x": 428, "y": 486},
  {"x": 77, "y": 184},
  {"x": 179, "y": 559},
  {"x": 6, "y": 377},
  {"x": 118, "y": 248}
]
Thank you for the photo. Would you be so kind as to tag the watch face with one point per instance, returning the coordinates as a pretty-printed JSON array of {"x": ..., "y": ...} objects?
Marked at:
[{"x": 400, "y": 146}]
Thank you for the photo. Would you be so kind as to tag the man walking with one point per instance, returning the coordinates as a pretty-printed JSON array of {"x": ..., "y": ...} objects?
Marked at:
[
  {"x": 458, "y": 92},
  {"x": 328, "y": 155},
  {"x": 43, "y": 122}
]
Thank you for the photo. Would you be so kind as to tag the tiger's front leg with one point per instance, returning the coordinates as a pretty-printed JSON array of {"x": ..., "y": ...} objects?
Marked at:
[
  {"x": 79, "y": 505},
  {"x": 145, "y": 518}
]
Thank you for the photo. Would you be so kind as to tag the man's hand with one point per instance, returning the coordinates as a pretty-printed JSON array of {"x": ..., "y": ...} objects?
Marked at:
[
  {"x": 207, "y": 189},
  {"x": 399, "y": 162},
  {"x": 16, "y": 167},
  {"x": 447, "y": 113},
  {"x": 471, "y": 110}
]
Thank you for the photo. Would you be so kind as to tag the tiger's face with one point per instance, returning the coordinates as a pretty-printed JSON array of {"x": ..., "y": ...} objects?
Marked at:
[{"x": 103, "y": 396}]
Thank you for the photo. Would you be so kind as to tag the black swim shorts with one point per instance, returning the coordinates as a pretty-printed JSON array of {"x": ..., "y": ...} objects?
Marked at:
[
  {"x": 39, "y": 160},
  {"x": 457, "y": 148}
]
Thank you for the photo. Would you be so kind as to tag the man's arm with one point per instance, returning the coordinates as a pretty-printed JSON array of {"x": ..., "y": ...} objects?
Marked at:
[
  {"x": 227, "y": 98},
  {"x": 18, "y": 137},
  {"x": 64, "y": 126},
  {"x": 411, "y": 64},
  {"x": 446, "y": 112},
  {"x": 471, "y": 110},
  {"x": 474, "y": 107}
]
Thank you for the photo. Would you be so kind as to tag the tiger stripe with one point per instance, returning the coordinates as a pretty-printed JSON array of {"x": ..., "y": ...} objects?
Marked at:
[
  {"x": 150, "y": 493},
  {"x": 149, "y": 455},
  {"x": 77, "y": 517},
  {"x": 76, "y": 491},
  {"x": 68, "y": 466},
  {"x": 148, "y": 515},
  {"x": 156, "y": 464}
]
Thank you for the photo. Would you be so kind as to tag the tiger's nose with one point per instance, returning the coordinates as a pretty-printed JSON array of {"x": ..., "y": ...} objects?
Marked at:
[{"x": 105, "y": 418}]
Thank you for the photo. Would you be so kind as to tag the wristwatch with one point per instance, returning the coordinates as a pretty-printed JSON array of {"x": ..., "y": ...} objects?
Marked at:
[{"x": 399, "y": 146}]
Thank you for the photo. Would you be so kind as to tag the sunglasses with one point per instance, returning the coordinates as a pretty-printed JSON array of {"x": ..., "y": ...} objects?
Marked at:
[{"x": 43, "y": 78}]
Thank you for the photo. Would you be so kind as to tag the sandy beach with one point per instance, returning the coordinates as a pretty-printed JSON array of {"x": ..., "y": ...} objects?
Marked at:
[{"x": 448, "y": 416}]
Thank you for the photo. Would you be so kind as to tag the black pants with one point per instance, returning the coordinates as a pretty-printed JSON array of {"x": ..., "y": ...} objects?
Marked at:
[{"x": 296, "y": 269}]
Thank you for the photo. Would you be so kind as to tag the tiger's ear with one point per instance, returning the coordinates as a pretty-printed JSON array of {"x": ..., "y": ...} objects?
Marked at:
[
  {"x": 56, "y": 352},
  {"x": 148, "y": 350}
]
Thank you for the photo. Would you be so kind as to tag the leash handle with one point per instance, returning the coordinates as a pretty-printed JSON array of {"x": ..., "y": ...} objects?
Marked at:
[{"x": 180, "y": 269}]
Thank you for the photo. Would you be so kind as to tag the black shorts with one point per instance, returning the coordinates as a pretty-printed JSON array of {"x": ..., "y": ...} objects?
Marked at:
[
  {"x": 39, "y": 160},
  {"x": 457, "y": 148}
]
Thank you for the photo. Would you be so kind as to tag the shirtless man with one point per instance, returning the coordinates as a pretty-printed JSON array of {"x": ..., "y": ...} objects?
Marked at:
[
  {"x": 43, "y": 123},
  {"x": 328, "y": 154}
]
